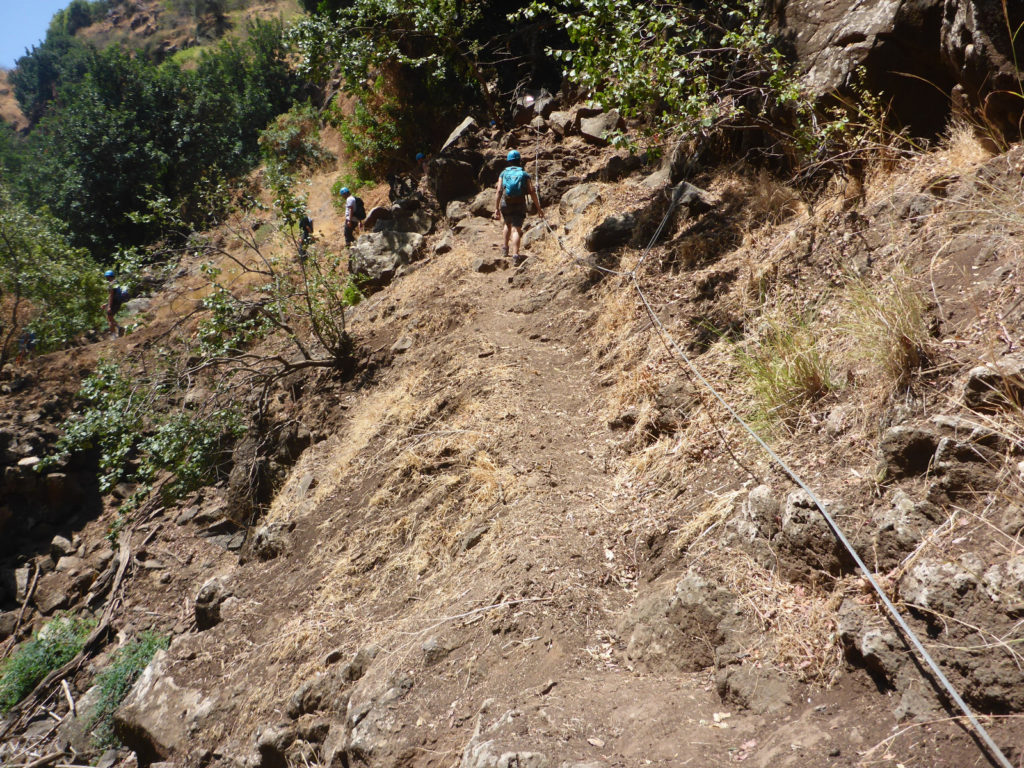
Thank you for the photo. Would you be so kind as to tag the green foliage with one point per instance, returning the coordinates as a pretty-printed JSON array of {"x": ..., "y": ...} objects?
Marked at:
[
  {"x": 292, "y": 141},
  {"x": 46, "y": 285},
  {"x": 78, "y": 14},
  {"x": 124, "y": 129},
  {"x": 785, "y": 367},
  {"x": 227, "y": 329},
  {"x": 377, "y": 130},
  {"x": 116, "y": 681},
  {"x": 681, "y": 68},
  {"x": 128, "y": 422},
  {"x": 54, "y": 645}
]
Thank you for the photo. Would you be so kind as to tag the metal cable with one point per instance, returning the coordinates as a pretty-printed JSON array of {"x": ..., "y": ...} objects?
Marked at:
[{"x": 995, "y": 751}]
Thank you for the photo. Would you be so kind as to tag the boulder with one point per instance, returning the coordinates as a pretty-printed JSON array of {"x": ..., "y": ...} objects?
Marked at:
[
  {"x": 379, "y": 255},
  {"x": 208, "y": 603},
  {"x": 805, "y": 541},
  {"x": 599, "y": 128},
  {"x": 908, "y": 450},
  {"x": 996, "y": 385},
  {"x": 272, "y": 742},
  {"x": 158, "y": 718},
  {"x": 886, "y": 38},
  {"x": 52, "y": 592},
  {"x": 60, "y": 547},
  {"x": 687, "y": 626},
  {"x": 377, "y": 733},
  {"x": 614, "y": 232},
  {"x": 502, "y": 744},
  {"x": 272, "y": 540},
  {"x": 578, "y": 199},
  {"x": 611, "y": 168},
  {"x": 562, "y": 123},
  {"x": 463, "y": 129},
  {"x": 453, "y": 177},
  {"x": 959, "y": 47},
  {"x": 948, "y": 587},
  {"x": 976, "y": 48}
]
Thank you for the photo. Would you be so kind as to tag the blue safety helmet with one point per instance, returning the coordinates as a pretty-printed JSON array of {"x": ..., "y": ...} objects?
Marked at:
[
  {"x": 343, "y": 191},
  {"x": 109, "y": 274},
  {"x": 420, "y": 155},
  {"x": 514, "y": 156}
]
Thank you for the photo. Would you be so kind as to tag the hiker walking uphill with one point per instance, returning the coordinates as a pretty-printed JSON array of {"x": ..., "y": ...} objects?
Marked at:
[
  {"x": 355, "y": 212},
  {"x": 514, "y": 185},
  {"x": 116, "y": 296}
]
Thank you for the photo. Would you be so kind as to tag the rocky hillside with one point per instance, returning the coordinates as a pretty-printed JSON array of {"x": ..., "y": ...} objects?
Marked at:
[{"x": 527, "y": 525}]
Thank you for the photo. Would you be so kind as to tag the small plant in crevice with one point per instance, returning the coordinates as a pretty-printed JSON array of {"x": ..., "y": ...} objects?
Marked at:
[
  {"x": 785, "y": 367},
  {"x": 52, "y": 647},
  {"x": 116, "y": 681}
]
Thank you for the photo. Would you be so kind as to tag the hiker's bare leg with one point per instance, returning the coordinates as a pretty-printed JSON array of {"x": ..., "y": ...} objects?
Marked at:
[
  {"x": 507, "y": 231},
  {"x": 517, "y": 236}
]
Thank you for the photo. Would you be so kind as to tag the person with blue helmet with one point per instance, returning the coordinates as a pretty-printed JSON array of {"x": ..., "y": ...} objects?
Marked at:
[
  {"x": 116, "y": 296},
  {"x": 355, "y": 212},
  {"x": 514, "y": 185}
]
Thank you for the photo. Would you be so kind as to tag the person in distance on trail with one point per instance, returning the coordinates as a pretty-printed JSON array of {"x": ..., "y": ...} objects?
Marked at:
[
  {"x": 514, "y": 185},
  {"x": 355, "y": 212},
  {"x": 305, "y": 234},
  {"x": 115, "y": 299}
]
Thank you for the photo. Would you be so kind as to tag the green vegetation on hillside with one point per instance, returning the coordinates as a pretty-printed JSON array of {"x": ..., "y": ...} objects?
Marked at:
[
  {"x": 46, "y": 285},
  {"x": 123, "y": 129},
  {"x": 53, "y": 646},
  {"x": 117, "y": 680}
]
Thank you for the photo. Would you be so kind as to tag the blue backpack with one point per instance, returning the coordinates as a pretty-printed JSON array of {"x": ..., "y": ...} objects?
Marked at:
[{"x": 515, "y": 181}]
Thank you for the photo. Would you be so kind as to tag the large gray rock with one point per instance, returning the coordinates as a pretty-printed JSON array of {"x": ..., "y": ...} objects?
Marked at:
[
  {"x": 599, "y": 128},
  {"x": 158, "y": 718},
  {"x": 379, "y": 255},
  {"x": 329, "y": 691},
  {"x": 688, "y": 627},
  {"x": 949, "y": 44},
  {"x": 806, "y": 543},
  {"x": 996, "y": 385},
  {"x": 502, "y": 745},
  {"x": 614, "y": 232},
  {"x": 976, "y": 47},
  {"x": 578, "y": 199}
]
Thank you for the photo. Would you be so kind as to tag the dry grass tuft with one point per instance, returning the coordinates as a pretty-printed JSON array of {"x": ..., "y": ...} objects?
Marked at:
[
  {"x": 785, "y": 366},
  {"x": 797, "y": 624},
  {"x": 888, "y": 324}
]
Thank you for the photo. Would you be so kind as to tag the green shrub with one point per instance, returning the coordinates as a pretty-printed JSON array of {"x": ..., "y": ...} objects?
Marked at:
[
  {"x": 115, "y": 681},
  {"x": 292, "y": 140},
  {"x": 375, "y": 132},
  {"x": 53, "y": 646},
  {"x": 126, "y": 420}
]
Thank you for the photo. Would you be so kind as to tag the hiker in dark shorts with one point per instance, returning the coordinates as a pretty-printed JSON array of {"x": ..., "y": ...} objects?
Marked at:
[
  {"x": 514, "y": 185},
  {"x": 115, "y": 298}
]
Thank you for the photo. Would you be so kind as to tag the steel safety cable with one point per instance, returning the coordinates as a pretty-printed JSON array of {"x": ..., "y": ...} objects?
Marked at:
[
  {"x": 996, "y": 752},
  {"x": 980, "y": 730}
]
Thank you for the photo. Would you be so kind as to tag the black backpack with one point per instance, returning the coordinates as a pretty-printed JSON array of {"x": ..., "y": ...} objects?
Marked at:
[{"x": 358, "y": 209}]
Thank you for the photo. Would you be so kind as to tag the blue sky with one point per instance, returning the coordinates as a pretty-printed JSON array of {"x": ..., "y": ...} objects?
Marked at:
[{"x": 23, "y": 24}]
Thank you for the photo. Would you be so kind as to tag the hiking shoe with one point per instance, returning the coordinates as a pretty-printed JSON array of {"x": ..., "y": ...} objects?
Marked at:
[
  {"x": 504, "y": 252},
  {"x": 518, "y": 259}
]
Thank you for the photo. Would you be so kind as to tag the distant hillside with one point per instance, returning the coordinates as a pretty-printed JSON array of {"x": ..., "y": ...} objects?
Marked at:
[{"x": 10, "y": 112}]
